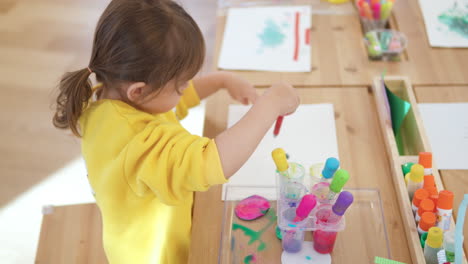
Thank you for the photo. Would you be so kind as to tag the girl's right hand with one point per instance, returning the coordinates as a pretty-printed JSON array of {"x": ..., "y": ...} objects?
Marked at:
[{"x": 284, "y": 98}]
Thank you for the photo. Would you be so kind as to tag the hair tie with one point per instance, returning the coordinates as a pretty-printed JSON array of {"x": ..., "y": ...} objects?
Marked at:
[{"x": 90, "y": 71}]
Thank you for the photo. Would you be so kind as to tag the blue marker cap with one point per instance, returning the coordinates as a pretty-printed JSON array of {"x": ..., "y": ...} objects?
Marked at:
[{"x": 331, "y": 165}]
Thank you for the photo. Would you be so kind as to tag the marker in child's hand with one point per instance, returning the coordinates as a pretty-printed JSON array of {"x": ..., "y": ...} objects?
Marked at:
[{"x": 278, "y": 123}]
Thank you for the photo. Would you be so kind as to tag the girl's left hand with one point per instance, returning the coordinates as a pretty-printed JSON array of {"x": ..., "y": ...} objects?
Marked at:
[{"x": 240, "y": 89}]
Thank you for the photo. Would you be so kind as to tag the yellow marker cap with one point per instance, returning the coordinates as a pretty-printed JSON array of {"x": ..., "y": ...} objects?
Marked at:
[
  {"x": 435, "y": 237},
  {"x": 279, "y": 157},
  {"x": 417, "y": 173}
]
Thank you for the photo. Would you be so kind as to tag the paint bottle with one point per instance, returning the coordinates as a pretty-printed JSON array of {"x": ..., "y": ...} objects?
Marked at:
[
  {"x": 331, "y": 165},
  {"x": 415, "y": 180},
  {"x": 433, "y": 195},
  {"x": 444, "y": 209},
  {"x": 433, "y": 244},
  {"x": 328, "y": 217},
  {"x": 428, "y": 220},
  {"x": 425, "y": 159},
  {"x": 423, "y": 240},
  {"x": 429, "y": 182},
  {"x": 406, "y": 167},
  {"x": 426, "y": 205},
  {"x": 449, "y": 245},
  {"x": 419, "y": 195},
  {"x": 339, "y": 180}
]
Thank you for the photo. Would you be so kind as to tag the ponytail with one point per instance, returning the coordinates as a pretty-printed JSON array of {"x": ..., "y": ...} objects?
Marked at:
[{"x": 75, "y": 92}]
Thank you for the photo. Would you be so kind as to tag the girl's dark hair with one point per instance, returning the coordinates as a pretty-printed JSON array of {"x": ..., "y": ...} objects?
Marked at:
[{"x": 151, "y": 41}]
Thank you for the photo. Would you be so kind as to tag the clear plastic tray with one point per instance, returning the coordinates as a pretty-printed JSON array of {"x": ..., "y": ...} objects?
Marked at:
[{"x": 364, "y": 237}]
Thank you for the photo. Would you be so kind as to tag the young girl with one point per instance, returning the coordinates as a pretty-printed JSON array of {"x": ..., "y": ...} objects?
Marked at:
[{"x": 142, "y": 164}]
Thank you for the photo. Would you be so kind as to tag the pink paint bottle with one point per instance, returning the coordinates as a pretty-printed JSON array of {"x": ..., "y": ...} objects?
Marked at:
[{"x": 328, "y": 219}]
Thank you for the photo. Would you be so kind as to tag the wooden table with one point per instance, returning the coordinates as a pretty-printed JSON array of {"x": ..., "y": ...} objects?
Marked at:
[
  {"x": 341, "y": 75},
  {"x": 339, "y": 56},
  {"x": 362, "y": 152}
]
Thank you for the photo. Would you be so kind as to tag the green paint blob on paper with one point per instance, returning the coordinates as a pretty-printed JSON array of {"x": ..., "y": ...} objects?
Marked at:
[
  {"x": 271, "y": 36},
  {"x": 456, "y": 18},
  {"x": 308, "y": 258}
]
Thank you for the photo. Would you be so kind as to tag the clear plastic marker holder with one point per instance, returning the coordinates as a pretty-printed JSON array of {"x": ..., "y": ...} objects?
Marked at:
[{"x": 290, "y": 191}]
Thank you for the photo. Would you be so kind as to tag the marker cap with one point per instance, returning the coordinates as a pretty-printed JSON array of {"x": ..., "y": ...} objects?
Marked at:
[
  {"x": 279, "y": 157},
  {"x": 435, "y": 237},
  {"x": 426, "y": 205},
  {"x": 306, "y": 205},
  {"x": 407, "y": 167},
  {"x": 339, "y": 180},
  {"x": 417, "y": 173},
  {"x": 425, "y": 159},
  {"x": 331, "y": 165},
  {"x": 344, "y": 200},
  {"x": 445, "y": 200},
  {"x": 429, "y": 181},
  {"x": 419, "y": 195},
  {"x": 427, "y": 221}
]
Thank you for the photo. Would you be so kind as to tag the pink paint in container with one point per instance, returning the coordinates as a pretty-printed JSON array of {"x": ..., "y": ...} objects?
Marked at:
[{"x": 328, "y": 218}]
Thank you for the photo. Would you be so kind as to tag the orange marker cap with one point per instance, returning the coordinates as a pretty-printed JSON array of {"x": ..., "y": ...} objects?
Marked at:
[
  {"x": 426, "y": 205},
  {"x": 445, "y": 200},
  {"x": 429, "y": 181},
  {"x": 425, "y": 159},
  {"x": 419, "y": 195},
  {"x": 428, "y": 220}
]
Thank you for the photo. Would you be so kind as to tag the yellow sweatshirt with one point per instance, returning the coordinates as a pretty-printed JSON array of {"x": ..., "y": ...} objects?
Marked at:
[{"x": 144, "y": 169}]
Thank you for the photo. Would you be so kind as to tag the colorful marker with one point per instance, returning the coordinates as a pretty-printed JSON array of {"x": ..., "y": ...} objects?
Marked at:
[
  {"x": 386, "y": 10},
  {"x": 279, "y": 122}
]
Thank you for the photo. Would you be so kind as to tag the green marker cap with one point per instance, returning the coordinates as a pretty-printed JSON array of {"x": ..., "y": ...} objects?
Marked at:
[
  {"x": 339, "y": 180},
  {"x": 407, "y": 167}
]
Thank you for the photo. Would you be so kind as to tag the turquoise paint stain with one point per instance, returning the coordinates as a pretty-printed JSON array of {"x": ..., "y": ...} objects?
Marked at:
[
  {"x": 257, "y": 235},
  {"x": 271, "y": 36},
  {"x": 456, "y": 19},
  {"x": 308, "y": 258}
]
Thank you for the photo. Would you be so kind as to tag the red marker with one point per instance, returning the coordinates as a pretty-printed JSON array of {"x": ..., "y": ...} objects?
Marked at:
[{"x": 279, "y": 121}]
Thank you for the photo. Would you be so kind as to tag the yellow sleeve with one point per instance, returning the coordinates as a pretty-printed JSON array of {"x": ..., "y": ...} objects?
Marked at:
[
  {"x": 189, "y": 99},
  {"x": 171, "y": 163}
]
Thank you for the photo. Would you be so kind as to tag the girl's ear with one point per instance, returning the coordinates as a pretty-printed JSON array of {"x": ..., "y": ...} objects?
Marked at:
[{"x": 135, "y": 91}]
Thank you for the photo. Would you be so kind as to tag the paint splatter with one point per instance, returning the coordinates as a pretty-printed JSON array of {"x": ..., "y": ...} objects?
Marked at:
[
  {"x": 308, "y": 258},
  {"x": 252, "y": 207},
  {"x": 257, "y": 235},
  {"x": 456, "y": 18},
  {"x": 250, "y": 259},
  {"x": 271, "y": 36}
]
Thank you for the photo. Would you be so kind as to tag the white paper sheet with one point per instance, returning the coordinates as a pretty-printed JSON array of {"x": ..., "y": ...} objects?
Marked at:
[
  {"x": 308, "y": 136},
  {"x": 440, "y": 34},
  {"x": 267, "y": 39},
  {"x": 447, "y": 128}
]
